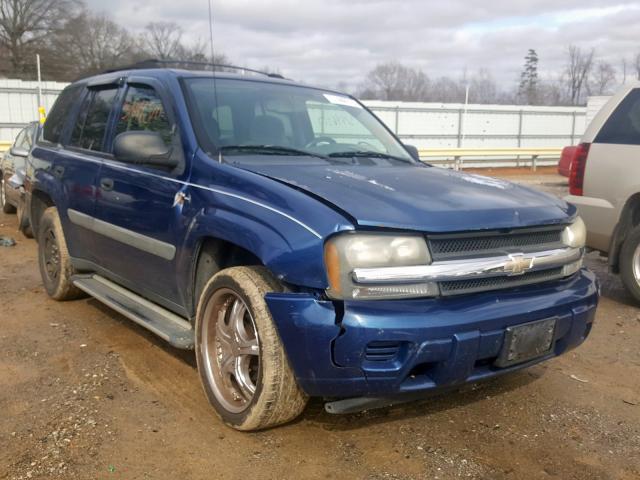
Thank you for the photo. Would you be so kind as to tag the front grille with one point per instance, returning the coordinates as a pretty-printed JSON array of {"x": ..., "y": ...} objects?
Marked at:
[
  {"x": 458, "y": 287},
  {"x": 447, "y": 247}
]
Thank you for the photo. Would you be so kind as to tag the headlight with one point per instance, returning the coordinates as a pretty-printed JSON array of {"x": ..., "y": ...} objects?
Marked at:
[
  {"x": 575, "y": 235},
  {"x": 346, "y": 252}
]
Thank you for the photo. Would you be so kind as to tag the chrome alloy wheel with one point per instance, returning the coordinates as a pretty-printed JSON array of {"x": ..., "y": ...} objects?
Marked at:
[
  {"x": 636, "y": 264},
  {"x": 231, "y": 350}
]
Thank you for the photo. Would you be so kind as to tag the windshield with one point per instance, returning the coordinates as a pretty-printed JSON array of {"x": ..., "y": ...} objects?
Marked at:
[{"x": 244, "y": 117}]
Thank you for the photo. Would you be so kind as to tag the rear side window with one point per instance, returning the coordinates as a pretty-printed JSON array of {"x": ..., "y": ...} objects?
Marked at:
[
  {"x": 91, "y": 124},
  {"x": 623, "y": 126},
  {"x": 53, "y": 127},
  {"x": 143, "y": 111}
]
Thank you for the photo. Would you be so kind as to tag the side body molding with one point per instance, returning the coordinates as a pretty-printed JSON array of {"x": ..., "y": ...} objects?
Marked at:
[{"x": 122, "y": 235}]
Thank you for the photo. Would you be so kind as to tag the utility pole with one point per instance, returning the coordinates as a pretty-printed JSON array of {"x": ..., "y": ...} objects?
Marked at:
[{"x": 41, "y": 110}]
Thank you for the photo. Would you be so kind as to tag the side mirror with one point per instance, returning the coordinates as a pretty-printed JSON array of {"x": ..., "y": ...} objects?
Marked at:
[
  {"x": 143, "y": 148},
  {"x": 413, "y": 151},
  {"x": 19, "y": 152}
]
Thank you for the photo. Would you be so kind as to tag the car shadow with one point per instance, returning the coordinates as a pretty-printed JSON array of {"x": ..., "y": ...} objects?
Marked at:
[{"x": 430, "y": 405}]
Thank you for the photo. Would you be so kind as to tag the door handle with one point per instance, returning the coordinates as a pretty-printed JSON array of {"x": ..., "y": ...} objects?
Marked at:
[
  {"x": 106, "y": 184},
  {"x": 58, "y": 171}
]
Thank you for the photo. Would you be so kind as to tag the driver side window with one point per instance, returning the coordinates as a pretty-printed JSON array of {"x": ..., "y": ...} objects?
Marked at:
[{"x": 142, "y": 110}]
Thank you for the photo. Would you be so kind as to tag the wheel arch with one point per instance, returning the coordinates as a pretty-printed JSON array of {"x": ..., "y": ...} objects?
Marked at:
[
  {"x": 40, "y": 201},
  {"x": 212, "y": 255}
]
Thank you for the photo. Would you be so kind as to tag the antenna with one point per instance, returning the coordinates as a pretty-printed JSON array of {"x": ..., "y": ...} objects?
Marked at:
[{"x": 213, "y": 68}]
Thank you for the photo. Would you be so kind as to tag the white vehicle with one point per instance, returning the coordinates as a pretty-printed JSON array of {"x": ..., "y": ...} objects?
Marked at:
[{"x": 605, "y": 184}]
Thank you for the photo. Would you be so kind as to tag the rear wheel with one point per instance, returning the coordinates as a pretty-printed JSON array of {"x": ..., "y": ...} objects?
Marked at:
[
  {"x": 53, "y": 258},
  {"x": 6, "y": 207},
  {"x": 243, "y": 367},
  {"x": 630, "y": 263}
]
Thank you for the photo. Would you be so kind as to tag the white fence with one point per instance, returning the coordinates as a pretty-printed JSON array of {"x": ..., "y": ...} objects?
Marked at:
[
  {"x": 440, "y": 125},
  {"x": 425, "y": 125},
  {"x": 19, "y": 104}
]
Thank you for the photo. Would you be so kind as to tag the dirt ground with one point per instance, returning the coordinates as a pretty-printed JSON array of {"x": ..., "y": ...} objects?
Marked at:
[{"x": 86, "y": 394}]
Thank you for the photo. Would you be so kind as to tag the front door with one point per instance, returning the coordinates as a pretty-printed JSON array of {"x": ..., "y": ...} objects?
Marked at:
[{"x": 139, "y": 208}]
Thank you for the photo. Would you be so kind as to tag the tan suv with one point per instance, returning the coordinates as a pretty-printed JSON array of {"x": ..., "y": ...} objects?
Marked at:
[{"x": 605, "y": 184}]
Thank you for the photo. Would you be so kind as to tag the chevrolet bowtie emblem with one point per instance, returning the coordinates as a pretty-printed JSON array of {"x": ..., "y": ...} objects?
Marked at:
[{"x": 518, "y": 264}]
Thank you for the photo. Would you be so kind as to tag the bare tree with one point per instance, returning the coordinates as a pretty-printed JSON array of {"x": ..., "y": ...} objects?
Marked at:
[
  {"x": 579, "y": 65},
  {"x": 26, "y": 24},
  {"x": 483, "y": 88},
  {"x": 163, "y": 40},
  {"x": 92, "y": 43},
  {"x": 446, "y": 90},
  {"x": 394, "y": 81},
  {"x": 603, "y": 77}
]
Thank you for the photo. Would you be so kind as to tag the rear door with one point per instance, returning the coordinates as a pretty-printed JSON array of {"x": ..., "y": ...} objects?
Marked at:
[
  {"x": 78, "y": 163},
  {"x": 139, "y": 207}
]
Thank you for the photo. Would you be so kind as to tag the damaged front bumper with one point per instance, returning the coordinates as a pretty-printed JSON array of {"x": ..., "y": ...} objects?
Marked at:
[{"x": 385, "y": 348}]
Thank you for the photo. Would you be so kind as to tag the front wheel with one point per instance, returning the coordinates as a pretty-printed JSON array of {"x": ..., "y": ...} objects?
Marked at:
[{"x": 242, "y": 364}]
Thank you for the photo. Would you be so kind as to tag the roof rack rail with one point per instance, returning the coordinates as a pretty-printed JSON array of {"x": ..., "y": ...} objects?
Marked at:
[{"x": 155, "y": 63}]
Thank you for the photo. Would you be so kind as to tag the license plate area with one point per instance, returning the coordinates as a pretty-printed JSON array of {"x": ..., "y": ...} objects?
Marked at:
[{"x": 526, "y": 342}]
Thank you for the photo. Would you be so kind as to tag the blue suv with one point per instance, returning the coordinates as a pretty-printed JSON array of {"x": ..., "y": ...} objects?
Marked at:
[{"x": 285, "y": 234}]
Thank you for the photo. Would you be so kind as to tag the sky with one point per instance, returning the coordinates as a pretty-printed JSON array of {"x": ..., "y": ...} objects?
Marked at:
[{"x": 334, "y": 43}]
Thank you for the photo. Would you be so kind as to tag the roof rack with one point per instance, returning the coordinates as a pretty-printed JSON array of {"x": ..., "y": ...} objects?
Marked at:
[{"x": 155, "y": 63}]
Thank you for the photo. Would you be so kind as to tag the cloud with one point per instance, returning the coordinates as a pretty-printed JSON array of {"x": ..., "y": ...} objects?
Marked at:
[{"x": 332, "y": 42}]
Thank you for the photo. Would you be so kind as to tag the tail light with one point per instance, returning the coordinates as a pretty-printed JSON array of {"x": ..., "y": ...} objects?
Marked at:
[{"x": 578, "y": 166}]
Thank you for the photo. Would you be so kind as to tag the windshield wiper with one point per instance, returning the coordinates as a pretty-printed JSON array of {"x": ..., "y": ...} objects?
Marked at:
[
  {"x": 366, "y": 153},
  {"x": 271, "y": 150}
]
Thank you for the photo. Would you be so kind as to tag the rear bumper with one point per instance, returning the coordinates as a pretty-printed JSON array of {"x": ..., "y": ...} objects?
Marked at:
[{"x": 394, "y": 347}]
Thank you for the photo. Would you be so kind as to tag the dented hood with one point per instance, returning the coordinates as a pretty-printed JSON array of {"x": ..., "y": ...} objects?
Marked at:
[{"x": 421, "y": 198}]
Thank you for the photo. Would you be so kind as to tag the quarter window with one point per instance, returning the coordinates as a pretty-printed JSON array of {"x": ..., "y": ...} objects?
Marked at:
[
  {"x": 53, "y": 127},
  {"x": 623, "y": 126}
]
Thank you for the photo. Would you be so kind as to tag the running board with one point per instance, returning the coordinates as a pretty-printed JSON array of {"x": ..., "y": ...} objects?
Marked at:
[{"x": 167, "y": 325}]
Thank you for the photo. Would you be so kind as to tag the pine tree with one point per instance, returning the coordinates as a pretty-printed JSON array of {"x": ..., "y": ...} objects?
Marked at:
[{"x": 528, "y": 90}]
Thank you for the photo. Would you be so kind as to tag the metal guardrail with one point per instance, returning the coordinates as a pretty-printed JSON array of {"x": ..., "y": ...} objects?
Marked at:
[{"x": 455, "y": 156}]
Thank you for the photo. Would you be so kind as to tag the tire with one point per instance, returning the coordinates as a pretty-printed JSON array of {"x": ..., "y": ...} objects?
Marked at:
[
  {"x": 54, "y": 260},
  {"x": 24, "y": 225},
  {"x": 238, "y": 294},
  {"x": 630, "y": 263},
  {"x": 6, "y": 206}
]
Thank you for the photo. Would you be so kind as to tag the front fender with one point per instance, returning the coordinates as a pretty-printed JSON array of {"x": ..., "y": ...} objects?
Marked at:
[
  {"x": 295, "y": 257},
  {"x": 283, "y": 227}
]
